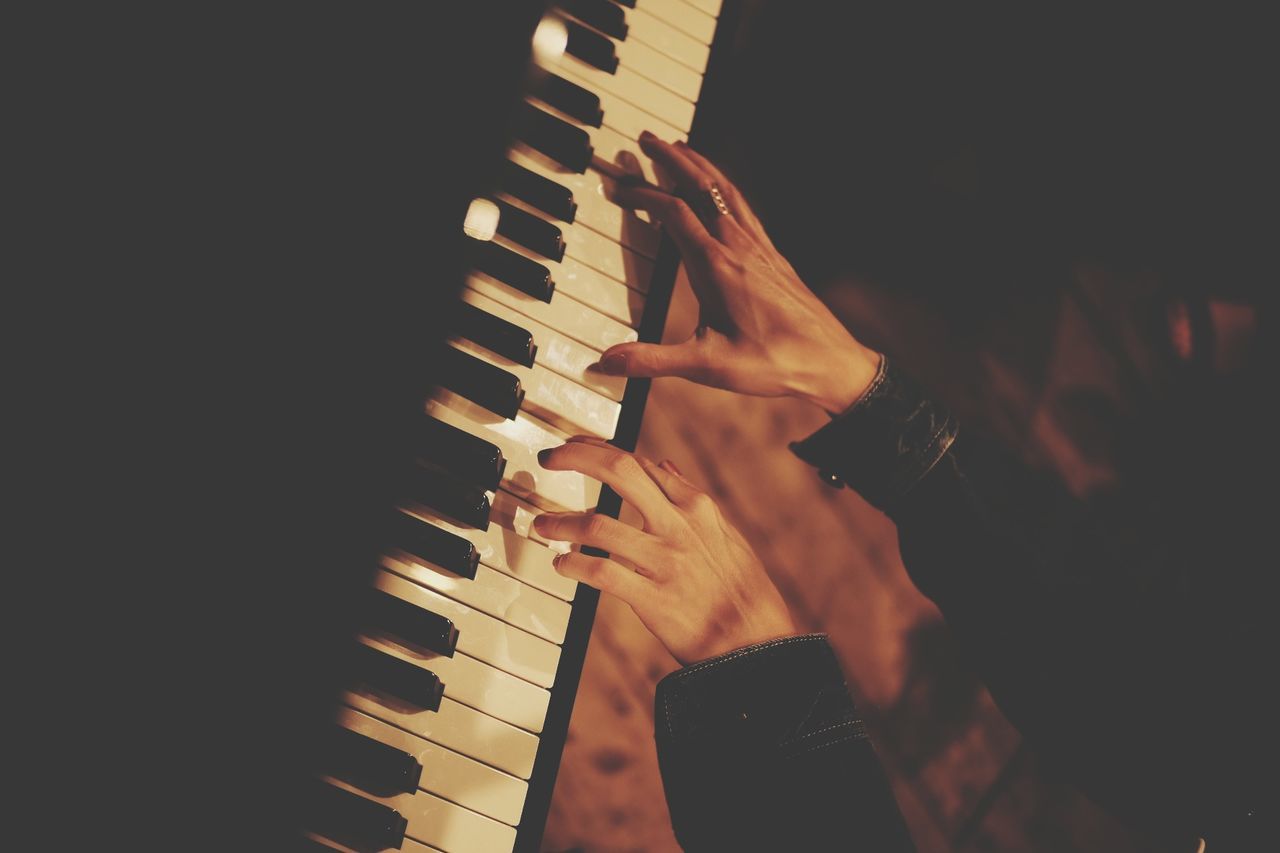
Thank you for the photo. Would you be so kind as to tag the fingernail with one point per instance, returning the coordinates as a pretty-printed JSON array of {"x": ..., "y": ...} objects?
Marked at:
[
  {"x": 671, "y": 466},
  {"x": 544, "y": 455},
  {"x": 646, "y": 136},
  {"x": 538, "y": 522},
  {"x": 614, "y": 365},
  {"x": 555, "y": 561}
]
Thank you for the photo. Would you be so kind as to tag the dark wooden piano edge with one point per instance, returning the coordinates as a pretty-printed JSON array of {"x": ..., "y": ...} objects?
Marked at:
[{"x": 573, "y": 653}]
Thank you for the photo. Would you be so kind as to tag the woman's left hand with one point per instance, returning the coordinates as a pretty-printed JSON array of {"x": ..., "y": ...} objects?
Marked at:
[{"x": 688, "y": 574}]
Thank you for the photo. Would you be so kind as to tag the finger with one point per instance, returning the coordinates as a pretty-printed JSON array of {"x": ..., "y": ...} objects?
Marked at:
[
  {"x": 677, "y": 489},
  {"x": 603, "y": 532},
  {"x": 666, "y": 476},
  {"x": 690, "y": 234},
  {"x": 695, "y": 182},
  {"x": 619, "y": 470},
  {"x": 605, "y": 575},
  {"x": 687, "y": 360},
  {"x": 737, "y": 202}
]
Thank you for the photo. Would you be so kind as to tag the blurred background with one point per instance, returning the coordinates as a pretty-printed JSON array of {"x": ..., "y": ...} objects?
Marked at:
[{"x": 1005, "y": 204}]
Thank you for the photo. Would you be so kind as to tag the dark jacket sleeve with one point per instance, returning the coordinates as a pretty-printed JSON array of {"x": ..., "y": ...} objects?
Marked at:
[
  {"x": 763, "y": 749},
  {"x": 1087, "y": 641}
]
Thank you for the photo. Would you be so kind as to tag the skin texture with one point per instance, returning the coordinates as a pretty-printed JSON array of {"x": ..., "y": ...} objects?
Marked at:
[
  {"x": 761, "y": 330},
  {"x": 688, "y": 574},
  {"x": 690, "y": 577}
]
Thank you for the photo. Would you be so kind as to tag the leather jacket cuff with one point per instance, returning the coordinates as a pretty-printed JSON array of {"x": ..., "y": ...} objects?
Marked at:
[
  {"x": 883, "y": 444},
  {"x": 787, "y": 693}
]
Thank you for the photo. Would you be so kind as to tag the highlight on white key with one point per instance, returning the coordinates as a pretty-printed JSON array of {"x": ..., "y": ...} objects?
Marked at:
[
  {"x": 550, "y": 39},
  {"x": 482, "y": 219}
]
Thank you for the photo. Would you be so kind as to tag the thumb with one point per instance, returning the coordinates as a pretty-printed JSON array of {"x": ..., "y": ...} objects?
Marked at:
[{"x": 684, "y": 359}]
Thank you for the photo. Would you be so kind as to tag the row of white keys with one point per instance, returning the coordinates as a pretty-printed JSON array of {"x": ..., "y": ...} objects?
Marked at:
[
  {"x": 631, "y": 87},
  {"x": 558, "y": 401},
  {"x": 491, "y": 591},
  {"x": 601, "y": 252},
  {"x": 499, "y": 694},
  {"x": 481, "y": 636},
  {"x": 446, "y": 773},
  {"x": 557, "y": 352},
  {"x": 620, "y": 115},
  {"x": 684, "y": 17},
  {"x": 568, "y": 316},
  {"x": 659, "y": 68},
  {"x": 510, "y": 545},
  {"x": 711, "y": 7},
  {"x": 456, "y": 726},
  {"x": 520, "y": 439},
  {"x": 591, "y": 192},
  {"x": 443, "y": 824},
  {"x": 673, "y": 42}
]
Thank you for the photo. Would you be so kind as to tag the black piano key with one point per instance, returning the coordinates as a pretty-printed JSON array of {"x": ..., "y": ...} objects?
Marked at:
[
  {"x": 406, "y": 621},
  {"x": 430, "y": 544},
  {"x": 480, "y": 382},
  {"x": 543, "y": 193},
  {"x": 398, "y": 677},
  {"x": 605, "y": 15},
  {"x": 352, "y": 819},
  {"x": 447, "y": 495},
  {"x": 493, "y": 333},
  {"x": 468, "y": 457},
  {"x": 568, "y": 145},
  {"x": 368, "y": 763},
  {"x": 591, "y": 47},
  {"x": 531, "y": 231},
  {"x": 511, "y": 268},
  {"x": 569, "y": 98}
]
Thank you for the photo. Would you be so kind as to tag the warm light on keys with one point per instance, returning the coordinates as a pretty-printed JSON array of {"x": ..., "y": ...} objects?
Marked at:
[
  {"x": 550, "y": 39},
  {"x": 482, "y": 219}
]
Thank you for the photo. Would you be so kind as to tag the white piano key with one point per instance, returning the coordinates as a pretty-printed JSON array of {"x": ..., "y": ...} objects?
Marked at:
[
  {"x": 446, "y": 773},
  {"x": 495, "y": 593},
  {"x": 551, "y": 397},
  {"x": 511, "y": 546},
  {"x": 480, "y": 635},
  {"x": 620, "y": 116},
  {"x": 566, "y": 315},
  {"x": 591, "y": 191},
  {"x": 660, "y": 68},
  {"x": 443, "y": 824},
  {"x": 633, "y": 88},
  {"x": 557, "y": 352},
  {"x": 675, "y": 43},
  {"x": 520, "y": 439},
  {"x": 471, "y": 682},
  {"x": 711, "y": 7},
  {"x": 683, "y": 17},
  {"x": 599, "y": 252},
  {"x": 458, "y": 727}
]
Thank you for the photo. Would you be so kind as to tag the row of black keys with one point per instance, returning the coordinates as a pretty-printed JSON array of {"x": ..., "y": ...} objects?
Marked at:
[
  {"x": 366, "y": 762},
  {"x": 462, "y": 466}
]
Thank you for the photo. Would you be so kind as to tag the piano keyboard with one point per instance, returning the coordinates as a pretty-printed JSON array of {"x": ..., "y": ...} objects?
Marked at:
[{"x": 445, "y": 740}]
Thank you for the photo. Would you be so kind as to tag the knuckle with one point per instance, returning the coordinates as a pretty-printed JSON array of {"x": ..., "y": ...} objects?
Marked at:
[
  {"x": 624, "y": 467},
  {"x": 701, "y": 504},
  {"x": 592, "y": 570},
  {"x": 596, "y": 526}
]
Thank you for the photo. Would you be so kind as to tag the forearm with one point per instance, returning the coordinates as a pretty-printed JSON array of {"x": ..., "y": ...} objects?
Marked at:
[{"x": 763, "y": 749}]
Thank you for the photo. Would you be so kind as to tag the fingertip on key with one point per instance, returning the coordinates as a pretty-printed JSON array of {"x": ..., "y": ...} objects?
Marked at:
[{"x": 614, "y": 364}]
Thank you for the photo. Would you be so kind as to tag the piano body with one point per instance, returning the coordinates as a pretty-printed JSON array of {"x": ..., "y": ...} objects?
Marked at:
[{"x": 464, "y": 647}]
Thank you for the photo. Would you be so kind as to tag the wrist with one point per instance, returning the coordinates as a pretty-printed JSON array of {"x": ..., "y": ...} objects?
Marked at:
[{"x": 844, "y": 382}]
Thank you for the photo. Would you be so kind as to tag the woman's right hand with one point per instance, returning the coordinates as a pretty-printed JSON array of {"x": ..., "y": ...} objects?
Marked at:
[{"x": 761, "y": 331}]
